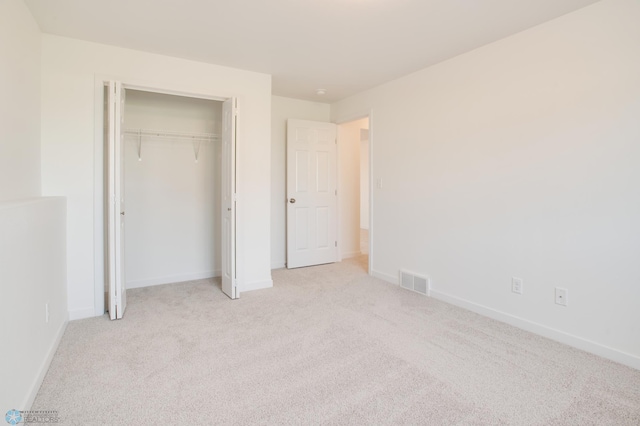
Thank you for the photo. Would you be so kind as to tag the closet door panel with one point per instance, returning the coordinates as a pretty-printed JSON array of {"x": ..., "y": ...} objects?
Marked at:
[
  {"x": 228, "y": 213},
  {"x": 115, "y": 226}
]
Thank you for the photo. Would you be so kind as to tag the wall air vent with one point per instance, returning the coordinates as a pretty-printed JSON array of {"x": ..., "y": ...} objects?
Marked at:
[{"x": 414, "y": 282}]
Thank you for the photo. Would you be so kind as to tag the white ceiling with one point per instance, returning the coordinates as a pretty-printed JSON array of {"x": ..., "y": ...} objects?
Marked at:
[{"x": 344, "y": 46}]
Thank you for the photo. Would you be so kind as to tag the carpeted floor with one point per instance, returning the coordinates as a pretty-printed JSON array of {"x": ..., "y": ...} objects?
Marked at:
[{"x": 326, "y": 345}]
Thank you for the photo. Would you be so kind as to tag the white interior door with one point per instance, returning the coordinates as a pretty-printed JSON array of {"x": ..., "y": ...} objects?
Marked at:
[
  {"x": 116, "y": 212},
  {"x": 312, "y": 207},
  {"x": 228, "y": 205}
]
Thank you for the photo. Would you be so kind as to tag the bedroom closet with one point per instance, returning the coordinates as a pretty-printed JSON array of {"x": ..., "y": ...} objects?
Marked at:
[
  {"x": 171, "y": 188},
  {"x": 171, "y": 158}
]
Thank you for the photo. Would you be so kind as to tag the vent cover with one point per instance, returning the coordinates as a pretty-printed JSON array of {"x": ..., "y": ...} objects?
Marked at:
[{"x": 414, "y": 282}]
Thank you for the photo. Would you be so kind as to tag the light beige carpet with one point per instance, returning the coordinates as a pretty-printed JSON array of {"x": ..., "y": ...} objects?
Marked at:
[{"x": 326, "y": 345}]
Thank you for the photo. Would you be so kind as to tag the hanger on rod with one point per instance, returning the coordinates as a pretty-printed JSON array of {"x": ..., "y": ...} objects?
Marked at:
[
  {"x": 139, "y": 145},
  {"x": 195, "y": 138},
  {"x": 196, "y": 148}
]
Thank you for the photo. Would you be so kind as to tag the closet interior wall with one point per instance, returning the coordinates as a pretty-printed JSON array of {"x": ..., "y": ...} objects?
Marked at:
[{"x": 172, "y": 189}]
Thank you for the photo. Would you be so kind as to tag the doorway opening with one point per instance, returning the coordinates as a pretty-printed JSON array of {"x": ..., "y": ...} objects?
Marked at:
[
  {"x": 170, "y": 159},
  {"x": 172, "y": 183},
  {"x": 355, "y": 189}
]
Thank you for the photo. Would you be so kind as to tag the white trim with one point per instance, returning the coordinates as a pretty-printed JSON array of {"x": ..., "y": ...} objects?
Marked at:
[
  {"x": 256, "y": 285},
  {"x": 338, "y": 196},
  {"x": 83, "y": 313},
  {"x": 98, "y": 199},
  {"x": 44, "y": 367},
  {"x": 171, "y": 279},
  {"x": 385, "y": 277},
  {"x": 371, "y": 194},
  {"x": 627, "y": 359}
]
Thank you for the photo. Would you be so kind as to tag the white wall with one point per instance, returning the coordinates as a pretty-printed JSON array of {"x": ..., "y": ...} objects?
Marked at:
[
  {"x": 19, "y": 102},
  {"x": 32, "y": 230},
  {"x": 149, "y": 110},
  {"x": 32, "y": 265},
  {"x": 364, "y": 178},
  {"x": 349, "y": 186},
  {"x": 281, "y": 110},
  {"x": 521, "y": 159},
  {"x": 172, "y": 202},
  {"x": 72, "y": 160}
]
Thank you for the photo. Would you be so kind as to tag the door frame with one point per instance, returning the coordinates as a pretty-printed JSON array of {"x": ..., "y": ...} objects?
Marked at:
[
  {"x": 343, "y": 119},
  {"x": 99, "y": 181}
]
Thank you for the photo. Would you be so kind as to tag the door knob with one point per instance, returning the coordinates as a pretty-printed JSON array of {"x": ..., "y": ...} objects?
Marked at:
[
  {"x": 122, "y": 213},
  {"x": 292, "y": 200}
]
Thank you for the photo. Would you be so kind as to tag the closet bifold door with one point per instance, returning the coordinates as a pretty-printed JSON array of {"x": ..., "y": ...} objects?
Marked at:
[
  {"x": 116, "y": 213},
  {"x": 228, "y": 204}
]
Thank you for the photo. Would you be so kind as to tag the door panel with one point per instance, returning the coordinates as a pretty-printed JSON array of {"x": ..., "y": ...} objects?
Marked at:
[
  {"x": 302, "y": 171},
  {"x": 323, "y": 172},
  {"x": 121, "y": 284},
  {"x": 322, "y": 225},
  {"x": 312, "y": 210},
  {"x": 302, "y": 234},
  {"x": 228, "y": 205},
  {"x": 116, "y": 213}
]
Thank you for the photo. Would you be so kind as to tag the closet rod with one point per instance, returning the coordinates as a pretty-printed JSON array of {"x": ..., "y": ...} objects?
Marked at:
[
  {"x": 195, "y": 138},
  {"x": 206, "y": 137}
]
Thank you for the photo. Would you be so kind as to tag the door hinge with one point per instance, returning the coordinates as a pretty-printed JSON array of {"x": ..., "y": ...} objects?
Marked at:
[
  {"x": 336, "y": 192},
  {"x": 336, "y": 244}
]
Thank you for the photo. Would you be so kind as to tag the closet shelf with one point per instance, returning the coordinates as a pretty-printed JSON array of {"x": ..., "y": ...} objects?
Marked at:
[
  {"x": 197, "y": 139},
  {"x": 186, "y": 136}
]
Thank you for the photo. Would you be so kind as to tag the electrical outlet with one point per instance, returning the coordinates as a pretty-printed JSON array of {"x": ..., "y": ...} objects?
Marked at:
[
  {"x": 46, "y": 313},
  {"x": 562, "y": 296},
  {"x": 517, "y": 285}
]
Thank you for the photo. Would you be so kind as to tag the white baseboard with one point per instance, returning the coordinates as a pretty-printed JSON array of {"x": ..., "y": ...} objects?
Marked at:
[
  {"x": 542, "y": 330},
  {"x": 44, "y": 367},
  {"x": 627, "y": 359},
  {"x": 169, "y": 279},
  {"x": 385, "y": 277},
  {"x": 257, "y": 285},
  {"x": 77, "y": 314}
]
